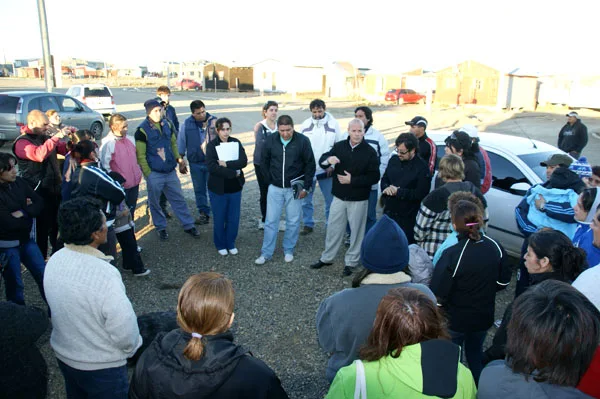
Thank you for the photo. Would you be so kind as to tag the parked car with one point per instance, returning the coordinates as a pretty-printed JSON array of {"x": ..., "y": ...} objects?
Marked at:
[
  {"x": 401, "y": 96},
  {"x": 189, "y": 84},
  {"x": 15, "y": 105},
  {"x": 97, "y": 96},
  {"x": 516, "y": 167}
]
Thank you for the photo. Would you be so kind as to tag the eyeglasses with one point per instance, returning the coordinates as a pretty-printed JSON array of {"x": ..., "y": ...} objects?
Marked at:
[{"x": 402, "y": 152}]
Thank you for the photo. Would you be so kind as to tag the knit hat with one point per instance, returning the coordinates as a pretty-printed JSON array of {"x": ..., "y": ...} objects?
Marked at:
[
  {"x": 581, "y": 167},
  {"x": 150, "y": 105},
  {"x": 385, "y": 248}
]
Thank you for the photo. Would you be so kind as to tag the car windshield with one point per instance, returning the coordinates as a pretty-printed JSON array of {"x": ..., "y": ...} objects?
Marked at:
[
  {"x": 533, "y": 161},
  {"x": 96, "y": 92},
  {"x": 8, "y": 104},
  {"x": 391, "y": 91}
]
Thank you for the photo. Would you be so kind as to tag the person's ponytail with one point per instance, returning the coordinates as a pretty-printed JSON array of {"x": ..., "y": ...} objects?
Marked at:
[{"x": 194, "y": 349}]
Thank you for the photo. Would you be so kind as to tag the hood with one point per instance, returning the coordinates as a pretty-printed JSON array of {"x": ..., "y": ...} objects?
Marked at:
[
  {"x": 430, "y": 367},
  {"x": 218, "y": 361},
  {"x": 590, "y": 216},
  {"x": 321, "y": 122},
  {"x": 564, "y": 178}
]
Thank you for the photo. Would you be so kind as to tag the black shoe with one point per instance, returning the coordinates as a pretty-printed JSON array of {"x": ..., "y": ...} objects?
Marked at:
[
  {"x": 203, "y": 218},
  {"x": 193, "y": 232},
  {"x": 320, "y": 264},
  {"x": 306, "y": 230},
  {"x": 168, "y": 214},
  {"x": 163, "y": 235},
  {"x": 347, "y": 271}
]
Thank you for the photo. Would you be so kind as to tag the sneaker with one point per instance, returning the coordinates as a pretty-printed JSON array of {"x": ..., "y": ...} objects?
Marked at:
[
  {"x": 193, "y": 232},
  {"x": 306, "y": 230},
  {"x": 320, "y": 264},
  {"x": 261, "y": 225},
  {"x": 233, "y": 251},
  {"x": 347, "y": 271},
  {"x": 143, "y": 273},
  {"x": 288, "y": 258},
  {"x": 203, "y": 218},
  {"x": 498, "y": 322},
  {"x": 139, "y": 249},
  {"x": 223, "y": 252},
  {"x": 282, "y": 225},
  {"x": 163, "y": 235},
  {"x": 260, "y": 260}
]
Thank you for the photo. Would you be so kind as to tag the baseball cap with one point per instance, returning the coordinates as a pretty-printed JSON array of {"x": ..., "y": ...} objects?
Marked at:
[
  {"x": 557, "y": 159},
  {"x": 417, "y": 120},
  {"x": 459, "y": 140},
  {"x": 572, "y": 113},
  {"x": 470, "y": 130},
  {"x": 150, "y": 105}
]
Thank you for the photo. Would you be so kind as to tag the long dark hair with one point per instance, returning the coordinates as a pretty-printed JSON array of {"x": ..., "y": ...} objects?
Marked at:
[
  {"x": 405, "y": 316},
  {"x": 468, "y": 219},
  {"x": 368, "y": 114},
  {"x": 566, "y": 260}
]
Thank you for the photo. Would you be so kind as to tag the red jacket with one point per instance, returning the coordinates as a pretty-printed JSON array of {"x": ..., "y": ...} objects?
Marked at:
[{"x": 590, "y": 382}]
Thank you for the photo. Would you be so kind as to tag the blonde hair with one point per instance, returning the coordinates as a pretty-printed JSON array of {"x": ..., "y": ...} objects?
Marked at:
[
  {"x": 451, "y": 167},
  {"x": 51, "y": 112},
  {"x": 204, "y": 306},
  {"x": 116, "y": 119}
]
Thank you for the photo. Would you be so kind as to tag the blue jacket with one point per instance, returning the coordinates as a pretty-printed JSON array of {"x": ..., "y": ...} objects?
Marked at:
[
  {"x": 169, "y": 112},
  {"x": 156, "y": 140},
  {"x": 191, "y": 136}
]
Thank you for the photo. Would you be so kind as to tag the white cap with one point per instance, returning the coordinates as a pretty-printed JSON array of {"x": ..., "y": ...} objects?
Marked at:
[{"x": 470, "y": 130}]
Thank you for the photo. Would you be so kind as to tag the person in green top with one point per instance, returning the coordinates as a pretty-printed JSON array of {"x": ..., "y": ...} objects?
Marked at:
[{"x": 407, "y": 355}]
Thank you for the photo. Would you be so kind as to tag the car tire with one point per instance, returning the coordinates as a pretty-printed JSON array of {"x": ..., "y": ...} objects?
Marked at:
[
  {"x": 196, "y": 88},
  {"x": 96, "y": 130}
]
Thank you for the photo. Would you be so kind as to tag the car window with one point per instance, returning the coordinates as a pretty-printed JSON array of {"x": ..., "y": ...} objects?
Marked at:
[
  {"x": 504, "y": 172},
  {"x": 392, "y": 91},
  {"x": 533, "y": 161},
  {"x": 96, "y": 92},
  {"x": 44, "y": 103},
  {"x": 411, "y": 91},
  {"x": 68, "y": 104},
  {"x": 403, "y": 91},
  {"x": 8, "y": 104}
]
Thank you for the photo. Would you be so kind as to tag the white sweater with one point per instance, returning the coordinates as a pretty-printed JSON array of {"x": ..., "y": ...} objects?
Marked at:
[
  {"x": 93, "y": 323},
  {"x": 323, "y": 134}
]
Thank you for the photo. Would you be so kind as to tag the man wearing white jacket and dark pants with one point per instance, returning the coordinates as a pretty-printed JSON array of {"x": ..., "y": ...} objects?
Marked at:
[{"x": 323, "y": 131}]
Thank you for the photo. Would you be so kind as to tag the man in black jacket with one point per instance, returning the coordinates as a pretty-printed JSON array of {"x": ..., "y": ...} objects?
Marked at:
[
  {"x": 573, "y": 136},
  {"x": 19, "y": 204},
  {"x": 405, "y": 183},
  {"x": 288, "y": 167},
  {"x": 356, "y": 169}
]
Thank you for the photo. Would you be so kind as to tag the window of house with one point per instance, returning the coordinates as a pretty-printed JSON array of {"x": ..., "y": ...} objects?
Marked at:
[
  {"x": 211, "y": 75},
  {"x": 221, "y": 75},
  {"x": 191, "y": 73},
  {"x": 477, "y": 84},
  {"x": 450, "y": 83}
]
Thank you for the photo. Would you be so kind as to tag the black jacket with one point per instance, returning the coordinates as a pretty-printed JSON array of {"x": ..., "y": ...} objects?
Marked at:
[
  {"x": 89, "y": 180},
  {"x": 362, "y": 162},
  {"x": 280, "y": 164},
  {"x": 219, "y": 174},
  {"x": 573, "y": 138},
  {"x": 465, "y": 281},
  {"x": 225, "y": 370},
  {"x": 413, "y": 181},
  {"x": 472, "y": 171},
  {"x": 42, "y": 175},
  {"x": 13, "y": 197},
  {"x": 564, "y": 178}
]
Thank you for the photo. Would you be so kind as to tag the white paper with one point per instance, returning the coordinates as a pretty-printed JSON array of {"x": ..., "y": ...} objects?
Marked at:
[{"x": 228, "y": 151}]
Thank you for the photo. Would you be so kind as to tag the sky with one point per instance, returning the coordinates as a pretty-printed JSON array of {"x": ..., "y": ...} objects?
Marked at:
[{"x": 392, "y": 35}]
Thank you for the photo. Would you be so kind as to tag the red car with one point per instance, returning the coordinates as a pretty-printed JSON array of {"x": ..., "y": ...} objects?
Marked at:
[
  {"x": 401, "y": 96},
  {"x": 189, "y": 84}
]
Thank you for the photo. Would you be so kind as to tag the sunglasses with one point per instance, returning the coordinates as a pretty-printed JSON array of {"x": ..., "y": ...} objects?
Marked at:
[{"x": 402, "y": 152}]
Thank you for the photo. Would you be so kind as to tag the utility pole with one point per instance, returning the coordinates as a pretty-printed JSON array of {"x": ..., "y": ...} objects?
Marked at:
[{"x": 48, "y": 67}]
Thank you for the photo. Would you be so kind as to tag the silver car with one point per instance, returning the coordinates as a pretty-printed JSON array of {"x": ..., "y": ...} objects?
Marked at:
[{"x": 15, "y": 105}]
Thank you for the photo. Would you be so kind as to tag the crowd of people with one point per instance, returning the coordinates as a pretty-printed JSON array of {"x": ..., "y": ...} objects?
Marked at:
[{"x": 426, "y": 290}]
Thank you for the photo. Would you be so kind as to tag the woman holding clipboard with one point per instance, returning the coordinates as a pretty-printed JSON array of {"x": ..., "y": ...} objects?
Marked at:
[{"x": 225, "y": 159}]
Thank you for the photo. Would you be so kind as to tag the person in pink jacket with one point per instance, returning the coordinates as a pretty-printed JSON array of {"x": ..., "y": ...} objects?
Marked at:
[{"x": 117, "y": 154}]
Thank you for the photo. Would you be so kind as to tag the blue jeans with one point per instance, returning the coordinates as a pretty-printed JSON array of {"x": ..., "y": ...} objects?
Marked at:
[
  {"x": 199, "y": 173},
  {"x": 473, "y": 344},
  {"x": 307, "y": 205},
  {"x": 29, "y": 254},
  {"x": 109, "y": 383},
  {"x": 277, "y": 199},
  {"x": 169, "y": 184},
  {"x": 226, "y": 218}
]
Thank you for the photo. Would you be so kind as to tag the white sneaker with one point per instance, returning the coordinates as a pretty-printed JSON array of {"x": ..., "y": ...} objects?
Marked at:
[
  {"x": 282, "y": 225},
  {"x": 261, "y": 224},
  {"x": 233, "y": 251},
  {"x": 288, "y": 258},
  {"x": 260, "y": 260},
  {"x": 223, "y": 252}
]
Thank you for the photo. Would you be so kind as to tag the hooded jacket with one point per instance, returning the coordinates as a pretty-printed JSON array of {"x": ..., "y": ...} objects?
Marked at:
[
  {"x": 573, "y": 137},
  {"x": 225, "y": 370},
  {"x": 323, "y": 134},
  {"x": 13, "y": 197},
  {"x": 427, "y": 369},
  {"x": 499, "y": 381}
]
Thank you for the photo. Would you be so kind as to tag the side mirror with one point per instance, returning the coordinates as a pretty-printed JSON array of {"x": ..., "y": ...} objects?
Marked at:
[
  {"x": 78, "y": 109},
  {"x": 520, "y": 188}
]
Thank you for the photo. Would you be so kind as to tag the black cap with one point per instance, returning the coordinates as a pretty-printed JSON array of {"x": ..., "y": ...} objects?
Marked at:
[
  {"x": 459, "y": 140},
  {"x": 417, "y": 121}
]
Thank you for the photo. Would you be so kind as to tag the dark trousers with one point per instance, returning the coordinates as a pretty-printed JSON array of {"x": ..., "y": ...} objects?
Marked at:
[
  {"x": 47, "y": 223},
  {"x": 132, "y": 260},
  {"x": 131, "y": 197},
  {"x": 264, "y": 190},
  {"x": 473, "y": 344},
  {"x": 523, "y": 278},
  {"x": 109, "y": 383}
]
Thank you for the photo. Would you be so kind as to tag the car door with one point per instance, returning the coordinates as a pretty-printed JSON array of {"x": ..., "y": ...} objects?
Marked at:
[
  {"x": 73, "y": 113},
  {"x": 411, "y": 96},
  {"x": 502, "y": 202}
]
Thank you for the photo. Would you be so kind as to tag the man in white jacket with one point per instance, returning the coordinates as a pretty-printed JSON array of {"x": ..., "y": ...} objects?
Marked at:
[
  {"x": 94, "y": 327},
  {"x": 323, "y": 131}
]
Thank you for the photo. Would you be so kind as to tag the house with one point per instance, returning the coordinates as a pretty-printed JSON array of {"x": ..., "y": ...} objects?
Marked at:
[
  {"x": 276, "y": 76},
  {"x": 469, "y": 82},
  {"x": 518, "y": 89},
  {"x": 189, "y": 70},
  {"x": 342, "y": 80},
  {"x": 228, "y": 77}
]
